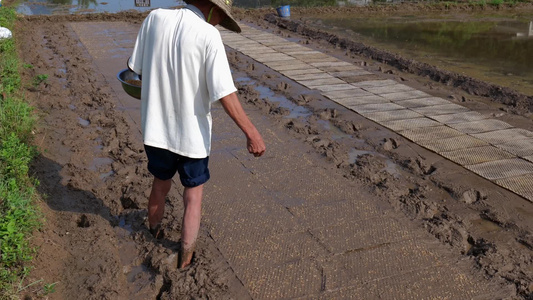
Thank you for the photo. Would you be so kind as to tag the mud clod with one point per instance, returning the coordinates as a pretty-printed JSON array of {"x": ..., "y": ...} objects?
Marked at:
[
  {"x": 328, "y": 114},
  {"x": 347, "y": 126},
  {"x": 470, "y": 196},
  {"x": 412, "y": 182},
  {"x": 424, "y": 167},
  {"x": 479, "y": 247},
  {"x": 450, "y": 231},
  {"x": 390, "y": 144},
  {"x": 526, "y": 240}
]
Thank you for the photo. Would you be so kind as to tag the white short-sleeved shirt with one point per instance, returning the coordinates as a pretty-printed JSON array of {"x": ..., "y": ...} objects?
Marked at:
[{"x": 184, "y": 69}]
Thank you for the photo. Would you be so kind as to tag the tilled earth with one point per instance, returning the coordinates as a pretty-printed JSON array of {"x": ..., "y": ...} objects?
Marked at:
[{"x": 95, "y": 185}]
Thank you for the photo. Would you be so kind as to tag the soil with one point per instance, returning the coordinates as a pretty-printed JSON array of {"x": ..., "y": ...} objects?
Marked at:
[
  {"x": 515, "y": 101},
  {"x": 95, "y": 185}
]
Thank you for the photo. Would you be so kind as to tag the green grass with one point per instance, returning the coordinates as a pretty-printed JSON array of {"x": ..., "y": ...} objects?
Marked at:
[
  {"x": 49, "y": 288},
  {"x": 18, "y": 213},
  {"x": 39, "y": 79}
]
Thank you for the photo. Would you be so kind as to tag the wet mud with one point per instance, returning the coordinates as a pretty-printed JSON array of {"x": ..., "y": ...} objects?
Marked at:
[
  {"x": 95, "y": 184},
  {"x": 482, "y": 223},
  {"x": 518, "y": 102}
]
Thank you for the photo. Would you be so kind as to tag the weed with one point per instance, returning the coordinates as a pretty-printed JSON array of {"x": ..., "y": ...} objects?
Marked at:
[
  {"x": 9, "y": 76},
  {"x": 50, "y": 288},
  {"x": 24, "y": 288},
  {"x": 448, "y": 4},
  {"x": 37, "y": 80},
  {"x": 16, "y": 116},
  {"x": 18, "y": 213},
  {"x": 7, "y": 17}
]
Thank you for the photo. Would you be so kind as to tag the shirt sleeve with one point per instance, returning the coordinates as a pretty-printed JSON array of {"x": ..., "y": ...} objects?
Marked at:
[
  {"x": 136, "y": 60},
  {"x": 218, "y": 73}
]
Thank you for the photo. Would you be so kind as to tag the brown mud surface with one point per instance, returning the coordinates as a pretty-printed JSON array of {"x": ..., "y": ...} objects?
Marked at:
[
  {"x": 94, "y": 182},
  {"x": 95, "y": 185},
  {"x": 515, "y": 101}
]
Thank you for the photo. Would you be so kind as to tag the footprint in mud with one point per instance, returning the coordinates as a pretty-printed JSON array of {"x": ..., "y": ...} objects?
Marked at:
[
  {"x": 283, "y": 86},
  {"x": 83, "y": 221},
  {"x": 280, "y": 111},
  {"x": 266, "y": 76},
  {"x": 390, "y": 144},
  {"x": 425, "y": 168},
  {"x": 328, "y": 113},
  {"x": 303, "y": 99},
  {"x": 348, "y": 127}
]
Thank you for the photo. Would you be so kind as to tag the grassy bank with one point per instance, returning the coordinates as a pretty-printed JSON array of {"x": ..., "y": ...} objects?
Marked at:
[{"x": 18, "y": 213}]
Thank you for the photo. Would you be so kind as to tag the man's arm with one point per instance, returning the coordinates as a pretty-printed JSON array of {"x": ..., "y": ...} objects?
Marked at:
[{"x": 234, "y": 109}]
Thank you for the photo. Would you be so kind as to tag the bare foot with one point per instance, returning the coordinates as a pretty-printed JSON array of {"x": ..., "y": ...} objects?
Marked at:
[
  {"x": 157, "y": 231},
  {"x": 185, "y": 257}
]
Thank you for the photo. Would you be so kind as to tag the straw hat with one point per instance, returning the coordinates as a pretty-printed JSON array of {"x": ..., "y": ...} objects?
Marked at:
[{"x": 225, "y": 6}]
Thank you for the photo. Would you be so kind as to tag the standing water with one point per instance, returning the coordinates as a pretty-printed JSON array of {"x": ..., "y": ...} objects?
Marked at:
[
  {"x": 61, "y": 7},
  {"x": 55, "y": 7},
  {"x": 497, "y": 49}
]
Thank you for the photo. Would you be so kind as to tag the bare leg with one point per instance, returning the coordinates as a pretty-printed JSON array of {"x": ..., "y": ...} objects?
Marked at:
[
  {"x": 156, "y": 202},
  {"x": 192, "y": 201}
]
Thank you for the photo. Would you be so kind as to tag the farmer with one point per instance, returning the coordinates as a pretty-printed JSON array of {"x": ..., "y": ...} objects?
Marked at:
[{"x": 184, "y": 69}]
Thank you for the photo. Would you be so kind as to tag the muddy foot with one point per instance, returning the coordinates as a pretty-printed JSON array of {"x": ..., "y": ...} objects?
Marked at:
[
  {"x": 186, "y": 259},
  {"x": 157, "y": 232}
]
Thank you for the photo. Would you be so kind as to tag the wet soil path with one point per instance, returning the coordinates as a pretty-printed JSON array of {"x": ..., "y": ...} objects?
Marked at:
[{"x": 340, "y": 207}]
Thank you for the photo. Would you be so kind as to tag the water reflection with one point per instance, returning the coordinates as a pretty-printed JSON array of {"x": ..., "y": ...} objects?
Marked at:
[
  {"x": 276, "y": 3},
  {"x": 355, "y": 2},
  {"x": 484, "y": 42},
  {"x": 528, "y": 34},
  {"x": 304, "y": 3},
  {"x": 40, "y": 7},
  {"x": 112, "y": 6},
  {"x": 74, "y": 6},
  {"x": 84, "y": 3},
  {"x": 54, "y": 7},
  {"x": 497, "y": 50}
]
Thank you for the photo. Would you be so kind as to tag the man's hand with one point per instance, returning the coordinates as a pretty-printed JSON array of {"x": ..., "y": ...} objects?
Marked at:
[
  {"x": 233, "y": 108},
  {"x": 256, "y": 146}
]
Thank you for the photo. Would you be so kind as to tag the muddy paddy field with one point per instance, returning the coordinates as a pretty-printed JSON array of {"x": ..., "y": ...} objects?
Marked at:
[{"x": 94, "y": 182}]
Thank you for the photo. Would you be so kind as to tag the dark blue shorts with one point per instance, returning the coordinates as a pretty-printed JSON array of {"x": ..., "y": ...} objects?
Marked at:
[{"x": 164, "y": 164}]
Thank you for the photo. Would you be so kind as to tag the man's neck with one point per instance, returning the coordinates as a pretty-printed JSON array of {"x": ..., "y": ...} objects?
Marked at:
[
  {"x": 204, "y": 7},
  {"x": 197, "y": 11}
]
